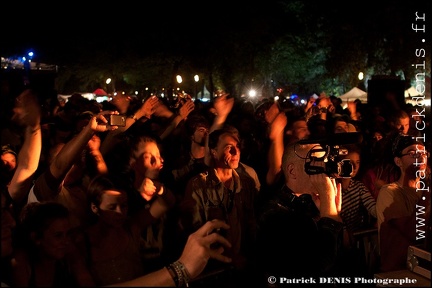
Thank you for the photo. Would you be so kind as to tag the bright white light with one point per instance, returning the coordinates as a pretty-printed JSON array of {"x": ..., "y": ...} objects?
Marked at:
[
  {"x": 360, "y": 76},
  {"x": 424, "y": 102},
  {"x": 302, "y": 101},
  {"x": 276, "y": 98},
  {"x": 108, "y": 81},
  {"x": 252, "y": 93},
  {"x": 136, "y": 92},
  {"x": 179, "y": 79},
  {"x": 196, "y": 78}
]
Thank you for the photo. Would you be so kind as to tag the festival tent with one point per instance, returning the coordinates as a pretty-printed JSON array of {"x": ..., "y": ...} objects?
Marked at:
[
  {"x": 100, "y": 92},
  {"x": 412, "y": 91},
  {"x": 353, "y": 94}
]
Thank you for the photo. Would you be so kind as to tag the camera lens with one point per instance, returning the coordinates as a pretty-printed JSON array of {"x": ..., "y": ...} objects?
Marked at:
[{"x": 345, "y": 168}]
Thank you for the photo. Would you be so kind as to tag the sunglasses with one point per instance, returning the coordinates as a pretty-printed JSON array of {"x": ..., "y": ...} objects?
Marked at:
[{"x": 416, "y": 154}]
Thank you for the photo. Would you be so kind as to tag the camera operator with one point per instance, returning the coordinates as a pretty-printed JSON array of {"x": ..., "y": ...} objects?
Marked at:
[{"x": 299, "y": 229}]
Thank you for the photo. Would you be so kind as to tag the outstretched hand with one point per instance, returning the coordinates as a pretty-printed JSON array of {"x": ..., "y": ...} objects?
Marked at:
[
  {"x": 223, "y": 105},
  {"x": 27, "y": 109},
  {"x": 199, "y": 249},
  {"x": 99, "y": 123}
]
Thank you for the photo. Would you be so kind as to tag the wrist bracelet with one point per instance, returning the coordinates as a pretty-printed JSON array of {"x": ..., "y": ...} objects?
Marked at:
[
  {"x": 173, "y": 274},
  {"x": 134, "y": 117},
  {"x": 184, "y": 272}
]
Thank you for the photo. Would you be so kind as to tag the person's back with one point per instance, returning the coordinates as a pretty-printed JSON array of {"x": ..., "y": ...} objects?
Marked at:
[
  {"x": 45, "y": 254},
  {"x": 299, "y": 230},
  {"x": 288, "y": 221}
]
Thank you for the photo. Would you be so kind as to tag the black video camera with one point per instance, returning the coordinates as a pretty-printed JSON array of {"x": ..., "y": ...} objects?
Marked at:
[
  {"x": 333, "y": 166},
  {"x": 330, "y": 151}
]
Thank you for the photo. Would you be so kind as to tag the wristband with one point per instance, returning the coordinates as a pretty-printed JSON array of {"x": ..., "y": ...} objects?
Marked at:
[{"x": 173, "y": 274}]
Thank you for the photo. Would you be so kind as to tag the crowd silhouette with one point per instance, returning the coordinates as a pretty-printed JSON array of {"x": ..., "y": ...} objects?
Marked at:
[{"x": 198, "y": 194}]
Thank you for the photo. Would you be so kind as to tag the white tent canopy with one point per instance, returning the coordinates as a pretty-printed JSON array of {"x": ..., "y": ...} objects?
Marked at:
[
  {"x": 412, "y": 91},
  {"x": 353, "y": 94}
]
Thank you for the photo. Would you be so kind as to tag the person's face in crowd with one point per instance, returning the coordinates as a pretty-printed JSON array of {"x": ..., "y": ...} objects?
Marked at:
[
  {"x": 121, "y": 102},
  {"x": 9, "y": 161},
  {"x": 341, "y": 127},
  {"x": 8, "y": 224},
  {"x": 413, "y": 158},
  {"x": 300, "y": 129},
  {"x": 227, "y": 152},
  {"x": 113, "y": 208},
  {"x": 199, "y": 136},
  {"x": 403, "y": 125},
  {"x": 355, "y": 162},
  {"x": 149, "y": 162},
  {"x": 325, "y": 102},
  {"x": 55, "y": 239}
]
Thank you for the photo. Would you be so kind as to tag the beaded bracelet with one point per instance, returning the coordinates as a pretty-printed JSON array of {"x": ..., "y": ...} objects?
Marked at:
[
  {"x": 173, "y": 274},
  {"x": 185, "y": 274}
]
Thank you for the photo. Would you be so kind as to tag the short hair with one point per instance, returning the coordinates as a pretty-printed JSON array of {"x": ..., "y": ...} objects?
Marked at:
[
  {"x": 215, "y": 135},
  {"x": 37, "y": 216},
  {"x": 96, "y": 187},
  {"x": 7, "y": 149},
  {"x": 293, "y": 153},
  {"x": 195, "y": 121}
]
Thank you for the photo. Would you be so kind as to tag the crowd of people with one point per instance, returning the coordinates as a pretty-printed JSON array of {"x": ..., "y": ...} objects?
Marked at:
[{"x": 188, "y": 193}]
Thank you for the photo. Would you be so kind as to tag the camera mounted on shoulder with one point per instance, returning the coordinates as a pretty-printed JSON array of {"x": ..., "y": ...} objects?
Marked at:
[{"x": 329, "y": 151}]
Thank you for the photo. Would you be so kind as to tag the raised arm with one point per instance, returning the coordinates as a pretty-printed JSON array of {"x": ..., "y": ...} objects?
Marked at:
[
  {"x": 223, "y": 106},
  {"x": 183, "y": 113},
  {"x": 26, "y": 113},
  {"x": 276, "y": 136},
  {"x": 67, "y": 156},
  {"x": 144, "y": 113}
]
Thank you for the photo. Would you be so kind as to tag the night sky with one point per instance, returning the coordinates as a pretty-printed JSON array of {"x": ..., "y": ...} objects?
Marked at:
[
  {"x": 56, "y": 30},
  {"x": 160, "y": 24}
]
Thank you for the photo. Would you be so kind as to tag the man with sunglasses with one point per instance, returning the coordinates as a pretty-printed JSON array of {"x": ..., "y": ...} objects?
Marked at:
[{"x": 402, "y": 203}]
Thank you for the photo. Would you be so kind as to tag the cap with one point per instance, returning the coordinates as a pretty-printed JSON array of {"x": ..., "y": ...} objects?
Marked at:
[
  {"x": 403, "y": 141},
  {"x": 7, "y": 149}
]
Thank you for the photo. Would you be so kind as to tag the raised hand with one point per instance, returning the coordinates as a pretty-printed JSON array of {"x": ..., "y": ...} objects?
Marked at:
[
  {"x": 278, "y": 125},
  {"x": 148, "y": 107},
  {"x": 27, "y": 110},
  {"x": 199, "y": 249},
  {"x": 223, "y": 105},
  {"x": 186, "y": 109},
  {"x": 99, "y": 123}
]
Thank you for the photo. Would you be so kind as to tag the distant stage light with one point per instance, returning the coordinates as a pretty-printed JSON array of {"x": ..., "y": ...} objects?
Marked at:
[{"x": 252, "y": 93}]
